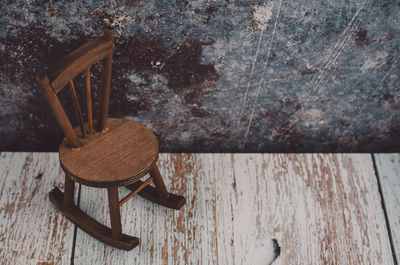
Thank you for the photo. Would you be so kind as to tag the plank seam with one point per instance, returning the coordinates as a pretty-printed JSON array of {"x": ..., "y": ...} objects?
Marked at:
[
  {"x": 389, "y": 230},
  {"x": 75, "y": 229}
]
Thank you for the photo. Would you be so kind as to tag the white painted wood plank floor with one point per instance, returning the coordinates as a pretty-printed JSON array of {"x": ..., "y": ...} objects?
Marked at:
[
  {"x": 388, "y": 167},
  {"x": 320, "y": 208},
  {"x": 31, "y": 229}
]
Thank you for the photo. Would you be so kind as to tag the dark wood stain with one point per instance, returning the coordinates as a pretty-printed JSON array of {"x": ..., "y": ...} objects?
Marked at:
[
  {"x": 39, "y": 176},
  {"x": 277, "y": 248}
]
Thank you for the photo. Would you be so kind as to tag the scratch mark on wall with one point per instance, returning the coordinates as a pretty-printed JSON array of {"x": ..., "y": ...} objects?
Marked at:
[
  {"x": 262, "y": 77},
  {"x": 370, "y": 97},
  {"x": 324, "y": 76},
  {"x": 250, "y": 82},
  {"x": 335, "y": 51},
  {"x": 261, "y": 16}
]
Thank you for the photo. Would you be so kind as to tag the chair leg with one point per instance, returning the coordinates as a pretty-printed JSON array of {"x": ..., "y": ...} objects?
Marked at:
[
  {"x": 115, "y": 215},
  {"x": 159, "y": 194},
  {"x": 159, "y": 183},
  {"x": 69, "y": 188},
  {"x": 113, "y": 236}
]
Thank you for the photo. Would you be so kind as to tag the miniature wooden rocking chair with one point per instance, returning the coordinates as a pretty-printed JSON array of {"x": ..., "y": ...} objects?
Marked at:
[{"x": 110, "y": 154}]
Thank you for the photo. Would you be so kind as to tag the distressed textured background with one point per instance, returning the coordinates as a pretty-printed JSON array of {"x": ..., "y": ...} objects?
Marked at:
[{"x": 217, "y": 76}]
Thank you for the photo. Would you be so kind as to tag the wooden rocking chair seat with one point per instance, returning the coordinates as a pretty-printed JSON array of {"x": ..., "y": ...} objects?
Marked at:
[{"x": 119, "y": 156}]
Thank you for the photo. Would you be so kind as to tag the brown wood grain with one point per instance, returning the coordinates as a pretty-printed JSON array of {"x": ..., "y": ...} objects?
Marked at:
[
  {"x": 57, "y": 77},
  {"x": 142, "y": 219},
  {"x": 120, "y": 156},
  {"x": 69, "y": 192},
  {"x": 113, "y": 206},
  {"x": 322, "y": 209},
  {"x": 79, "y": 60},
  {"x": 89, "y": 101},
  {"x": 32, "y": 231},
  {"x": 136, "y": 191},
  {"x": 105, "y": 84},
  {"x": 58, "y": 111},
  {"x": 77, "y": 108}
]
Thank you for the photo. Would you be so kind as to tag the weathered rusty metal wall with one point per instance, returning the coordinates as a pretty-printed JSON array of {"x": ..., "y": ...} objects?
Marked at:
[{"x": 219, "y": 76}]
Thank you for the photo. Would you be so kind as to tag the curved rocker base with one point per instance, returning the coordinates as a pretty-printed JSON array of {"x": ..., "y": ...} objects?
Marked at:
[{"x": 90, "y": 225}]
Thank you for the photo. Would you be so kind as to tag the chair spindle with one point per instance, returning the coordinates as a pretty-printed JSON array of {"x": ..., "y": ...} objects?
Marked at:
[
  {"x": 133, "y": 193},
  {"x": 89, "y": 101},
  {"x": 77, "y": 108}
]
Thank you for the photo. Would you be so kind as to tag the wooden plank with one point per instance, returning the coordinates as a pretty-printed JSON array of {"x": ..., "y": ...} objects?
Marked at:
[
  {"x": 388, "y": 166},
  {"x": 322, "y": 209},
  {"x": 163, "y": 232},
  {"x": 32, "y": 231}
]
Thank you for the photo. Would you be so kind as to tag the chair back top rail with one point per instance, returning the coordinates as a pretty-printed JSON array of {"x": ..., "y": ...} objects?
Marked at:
[{"x": 79, "y": 60}]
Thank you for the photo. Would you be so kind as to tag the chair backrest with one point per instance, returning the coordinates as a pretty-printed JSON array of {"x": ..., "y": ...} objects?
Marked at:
[{"x": 79, "y": 60}]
